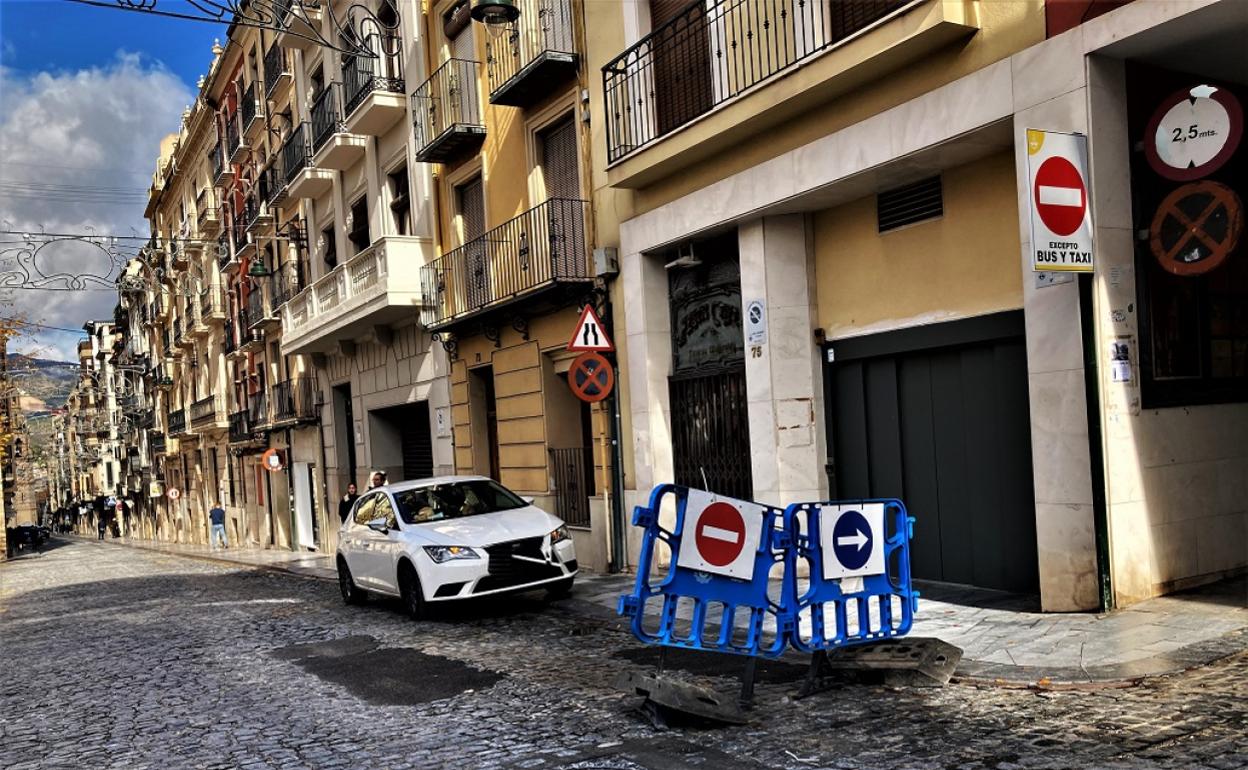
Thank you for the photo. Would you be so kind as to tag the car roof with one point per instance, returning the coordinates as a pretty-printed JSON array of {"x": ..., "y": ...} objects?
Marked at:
[{"x": 403, "y": 486}]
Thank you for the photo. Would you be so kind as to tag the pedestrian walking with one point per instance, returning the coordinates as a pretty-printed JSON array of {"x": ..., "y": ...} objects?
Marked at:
[
  {"x": 217, "y": 518},
  {"x": 348, "y": 500},
  {"x": 101, "y": 524},
  {"x": 378, "y": 479}
]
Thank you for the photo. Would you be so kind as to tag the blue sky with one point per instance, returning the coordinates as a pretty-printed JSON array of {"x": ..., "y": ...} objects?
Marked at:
[
  {"x": 86, "y": 95},
  {"x": 56, "y": 35}
]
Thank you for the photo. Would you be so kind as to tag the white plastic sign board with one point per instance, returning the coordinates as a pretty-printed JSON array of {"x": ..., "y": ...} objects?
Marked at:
[
  {"x": 852, "y": 540},
  {"x": 590, "y": 335},
  {"x": 755, "y": 322},
  {"x": 1059, "y": 201},
  {"x": 720, "y": 535}
]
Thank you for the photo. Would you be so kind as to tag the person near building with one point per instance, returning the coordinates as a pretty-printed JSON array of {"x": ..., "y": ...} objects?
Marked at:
[
  {"x": 378, "y": 479},
  {"x": 348, "y": 500},
  {"x": 216, "y": 517}
]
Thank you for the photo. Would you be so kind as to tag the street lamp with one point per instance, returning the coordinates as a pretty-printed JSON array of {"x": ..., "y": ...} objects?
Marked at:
[
  {"x": 496, "y": 15},
  {"x": 257, "y": 269}
]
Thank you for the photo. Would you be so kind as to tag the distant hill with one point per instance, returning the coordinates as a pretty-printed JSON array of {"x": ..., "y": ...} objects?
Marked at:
[{"x": 44, "y": 379}]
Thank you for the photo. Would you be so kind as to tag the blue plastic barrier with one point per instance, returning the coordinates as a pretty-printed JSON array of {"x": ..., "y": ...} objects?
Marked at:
[
  {"x": 696, "y": 574},
  {"x": 850, "y": 606}
]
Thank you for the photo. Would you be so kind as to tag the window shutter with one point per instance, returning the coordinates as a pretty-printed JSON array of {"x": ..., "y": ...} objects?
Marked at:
[{"x": 559, "y": 168}]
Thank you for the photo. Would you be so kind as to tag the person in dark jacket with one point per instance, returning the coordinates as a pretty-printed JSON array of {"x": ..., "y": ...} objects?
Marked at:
[{"x": 348, "y": 500}]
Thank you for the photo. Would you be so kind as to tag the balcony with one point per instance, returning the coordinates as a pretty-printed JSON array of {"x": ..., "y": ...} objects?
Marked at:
[
  {"x": 181, "y": 340},
  {"x": 539, "y": 52},
  {"x": 702, "y": 74},
  {"x": 277, "y": 70},
  {"x": 378, "y": 286},
  {"x": 273, "y": 183},
  {"x": 211, "y": 306},
  {"x": 156, "y": 442},
  {"x": 332, "y": 147},
  {"x": 229, "y": 343},
  {"x": 255, "y": 208},
  {"x": 373, "y": 87},
  {"x": 250, "y": 336},
  {"x": 242, "y": 244},
  {"x": 260, "y": 315},
  {"x": 294, "y": 401},
  {"x": 287, "y": 283},
  {"x": 209, "y": 220},
  {"x": 177, "y": 423},
  {"x": 177, "y": 253},
  {"x": 446, "y": 113},
  {"x": 258, "y": 417},
  {"x": 234, "y": 140},
  {"x": 240, "y": 428},
  {"x": 208, "y": 414},
  {"x": 303, "y": 179},
  {"x": 222, "y": 172},
  {"x": 541, "y": 249},
  {"x": 300, "y": 23},
  {"x": 249, "y": 110},
  {"x": 224, "y": 253}
]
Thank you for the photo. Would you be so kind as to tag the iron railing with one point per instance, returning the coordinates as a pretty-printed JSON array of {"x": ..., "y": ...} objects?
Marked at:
[
  {"x": 572, "y": 473},
  {"x": 205, "y": 411},
  {"x": 447, "y": 101},
  {"x": 713, "y": 51},
  {"x": 542, "y": 246},
  {"x": 276, "y": 64},
  {"x": 273, "y": 181},
  {"x": 233, "y": 136},
  {"x": 286, "y": 284},
  {"x": 257, "y": 410},
  {"x": 223, "y": 250},
  {"x": 294, "y": 399},
  {"x": 248, "y": 108},
  {"x": 238, "y": 230},
  {"x": 362, "y": 75},
  {"x": 218, "y": 163},
  {"x": 296, "y": 152},
  {"x": 710, "y": 432},
  {"x": 210, "y": 304},
  {"x": 156, "y": 442},
  {"x": 326, "y": 115},
  {"x": 177, "y": 422},
  {"x": 544, "y": 26},
  {"x": 239, "y": 429},
  {"x": 256, "y": 310},
  {"x": 228, "y": 343},
  {"x": 177, "y": 330}
]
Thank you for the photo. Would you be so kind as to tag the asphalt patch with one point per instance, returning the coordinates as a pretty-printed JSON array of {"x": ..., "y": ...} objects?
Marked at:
[
  {"x": 715, "y": 664},
  {"x": 387, "y": 676},
  {"x": 650, "y": 754}
]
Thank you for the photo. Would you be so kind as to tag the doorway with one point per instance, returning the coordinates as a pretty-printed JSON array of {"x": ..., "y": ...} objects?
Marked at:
[
  {"x": 938, "y": 416},
  {"x": 401, "y": 442},
  {"x": 344, "y": 433},
  {"x": 483, "y": 413}
]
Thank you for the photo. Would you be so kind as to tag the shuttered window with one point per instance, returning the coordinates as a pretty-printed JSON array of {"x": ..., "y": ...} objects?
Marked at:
[
  {"x": 472, "y": 208},
  {"x": 558, "y": 158}
]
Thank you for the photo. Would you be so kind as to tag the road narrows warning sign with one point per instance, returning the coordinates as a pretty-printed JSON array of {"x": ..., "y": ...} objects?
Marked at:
[
  {"x": 1061, "y": 218},
  {"x": 590, "y": 335}
]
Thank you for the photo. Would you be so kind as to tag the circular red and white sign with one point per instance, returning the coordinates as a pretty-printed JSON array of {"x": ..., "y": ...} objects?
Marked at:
[
  {"x": 1060, "y": 196},
  {"x": 1193, "y": 133},
  {"x": 174, "y": 493},
  {"x": 720, "y": 534}
]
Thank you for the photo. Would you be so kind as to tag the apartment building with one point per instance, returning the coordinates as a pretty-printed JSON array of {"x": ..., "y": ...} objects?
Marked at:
[{"x": 856, "y": 174}]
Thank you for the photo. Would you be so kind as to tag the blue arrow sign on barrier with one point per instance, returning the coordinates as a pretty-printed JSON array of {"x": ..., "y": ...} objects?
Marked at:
[{"x": 851, "y": 540}]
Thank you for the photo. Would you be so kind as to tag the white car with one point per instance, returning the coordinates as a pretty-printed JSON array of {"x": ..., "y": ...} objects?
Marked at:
[{"x": 451, "y": 537}]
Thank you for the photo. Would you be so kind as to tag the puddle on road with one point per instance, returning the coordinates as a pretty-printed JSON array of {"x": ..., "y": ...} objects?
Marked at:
[{"x": 386, "y": 676}]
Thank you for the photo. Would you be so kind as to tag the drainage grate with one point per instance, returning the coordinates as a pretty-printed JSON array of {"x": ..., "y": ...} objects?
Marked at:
[{"x": 903, "y": 206}]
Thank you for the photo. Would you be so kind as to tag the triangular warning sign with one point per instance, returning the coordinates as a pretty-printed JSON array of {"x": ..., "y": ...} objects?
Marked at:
[{"x": 590, "y": 334}]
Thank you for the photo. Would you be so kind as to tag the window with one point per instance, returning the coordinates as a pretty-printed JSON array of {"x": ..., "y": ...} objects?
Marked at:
[
  {"x": 400, "y": 202},
  {"x": 358, "y": 233},
  {"x": 470, "y": 201},
  {"x": 385, "y": 511},
  {"x": 455, "y": 500},
  {"x": 364, "y": 510},
  {"x": 557, "y": 150},
  {"x": 330, "y": 248}
]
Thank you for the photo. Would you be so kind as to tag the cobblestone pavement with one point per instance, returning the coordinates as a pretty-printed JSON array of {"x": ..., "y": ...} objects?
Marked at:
[{"x": 119, "y": 658}]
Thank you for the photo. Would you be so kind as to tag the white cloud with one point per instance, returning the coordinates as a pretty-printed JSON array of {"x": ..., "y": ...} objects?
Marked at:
[{"x": 89, "y": 129}]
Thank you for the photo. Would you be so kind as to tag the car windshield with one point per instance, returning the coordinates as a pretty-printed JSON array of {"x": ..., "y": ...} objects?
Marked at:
[{"x": 455, "y": 500}]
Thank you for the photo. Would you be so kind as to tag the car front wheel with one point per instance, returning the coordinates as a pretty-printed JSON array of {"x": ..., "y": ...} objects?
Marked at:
[
  {"x": 409, "y": 589},
  {"x": 351, "y": 593}
]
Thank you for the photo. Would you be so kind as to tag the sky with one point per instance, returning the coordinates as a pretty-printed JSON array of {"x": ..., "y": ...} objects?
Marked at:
[{"x": 86, "y": 95}]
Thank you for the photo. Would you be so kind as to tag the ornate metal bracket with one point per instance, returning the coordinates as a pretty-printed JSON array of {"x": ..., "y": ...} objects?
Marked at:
[
  {"x": 521, "y": 325},
  {"x": 448, "y": 342},
  {"x": 493, "y": 334}
]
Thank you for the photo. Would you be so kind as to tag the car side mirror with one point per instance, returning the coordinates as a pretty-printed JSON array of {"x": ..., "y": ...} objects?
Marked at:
[
  {"x": 528, "y": 500},
  {"x": 378, "y": 525}
]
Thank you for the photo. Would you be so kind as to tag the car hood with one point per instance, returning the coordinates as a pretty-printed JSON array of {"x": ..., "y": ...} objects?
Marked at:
[{"x": 486, "y": 528}]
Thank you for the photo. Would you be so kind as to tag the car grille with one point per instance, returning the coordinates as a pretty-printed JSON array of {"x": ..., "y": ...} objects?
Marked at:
[{"x": 506, "y": 571}]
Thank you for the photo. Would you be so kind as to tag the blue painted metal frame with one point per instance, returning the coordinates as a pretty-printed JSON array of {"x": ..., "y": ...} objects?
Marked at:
[
  {"x": 824, "y": 598},
  {"x": 704, "y": 588}
]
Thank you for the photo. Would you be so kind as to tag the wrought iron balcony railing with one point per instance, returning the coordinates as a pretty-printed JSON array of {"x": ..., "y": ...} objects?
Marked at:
[
  {"x": 543, "y": 246},
  {"x": 177, "y": 422},
  {"x": 156, "y": 442},
  {"x": 363, "y": 75},
  {"x": 327, "y": 115},
  {"x": 223, "y": 250},
  {"x": 205, "y": 411},
  {"x": 239, "y": 429},
  {"x": 211, "y": 306},
  {"x": 273, "y": 181},
  {"x": 294, "y": 400},
  {"x": 238, "y": 231},
  {"x": 228, "y": 341},
  {"x": 258, "y": 410},
  {"x": 233, "y": 136},
  {"x": 713, "y": 51},
  {"x": 446, "y": 112},
  {"x": 256, "y": 309},
  {"x": 248, "y": 108},
  {"x": 296, "y": 152},
  {"x": 218, "y": 163},
  {"x": 286, "y": 284},
  {"x": 276, "y": 64},
  {"x": 541, "y": 46}
]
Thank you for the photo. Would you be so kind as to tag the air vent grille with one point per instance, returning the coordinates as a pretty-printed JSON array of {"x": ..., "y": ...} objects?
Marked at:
[{"x": 903, "y": 206}]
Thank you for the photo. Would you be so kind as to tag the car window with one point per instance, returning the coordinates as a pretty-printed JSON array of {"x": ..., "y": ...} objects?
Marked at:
[
  {"x": 454, "y": 500},
  {"x": 384, "y": 510},
  {"x": 364, "y": 510}
]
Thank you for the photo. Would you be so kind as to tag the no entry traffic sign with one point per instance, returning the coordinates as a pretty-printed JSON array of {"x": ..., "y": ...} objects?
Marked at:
[
  {"x": 852, "y": 540},
  {"x": 720, "y": 535},
  {"x": 591, "y": 377},
  {"x": 1061, "y": 220}
]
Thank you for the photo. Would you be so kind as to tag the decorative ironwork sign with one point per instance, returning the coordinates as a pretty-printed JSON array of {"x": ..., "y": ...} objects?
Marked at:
[
  {"x": 61, "y": 262},
  {"x": 352, "y": 33}
]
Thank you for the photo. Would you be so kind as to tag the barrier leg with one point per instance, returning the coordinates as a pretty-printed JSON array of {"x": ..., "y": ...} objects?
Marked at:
[{"x": 746, "y": 700}]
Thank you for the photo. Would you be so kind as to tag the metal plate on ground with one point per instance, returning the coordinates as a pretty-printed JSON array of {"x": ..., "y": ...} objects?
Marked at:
[
  {"x": 669, "y": 701},
  {"x": 913, "y": 662}
]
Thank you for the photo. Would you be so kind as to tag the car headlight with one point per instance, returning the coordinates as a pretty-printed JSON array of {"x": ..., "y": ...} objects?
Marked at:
[
  {"x": 559, "y": 535},
  {"x": 443, "y": 553}
]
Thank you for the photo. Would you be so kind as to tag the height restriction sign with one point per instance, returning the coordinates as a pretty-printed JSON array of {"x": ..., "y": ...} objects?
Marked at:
[{"x": 1057, "y": 186}]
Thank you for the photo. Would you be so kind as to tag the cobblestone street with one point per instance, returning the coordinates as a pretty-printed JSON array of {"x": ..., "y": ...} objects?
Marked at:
[{"x": 123, "y": 658}]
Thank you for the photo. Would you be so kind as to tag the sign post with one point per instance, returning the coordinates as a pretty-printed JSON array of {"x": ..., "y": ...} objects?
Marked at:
[{"x": 1058, "y": 200}]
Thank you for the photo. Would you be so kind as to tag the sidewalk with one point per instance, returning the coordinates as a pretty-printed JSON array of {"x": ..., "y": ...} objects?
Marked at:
[{"x": 1003, "y": 637}]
